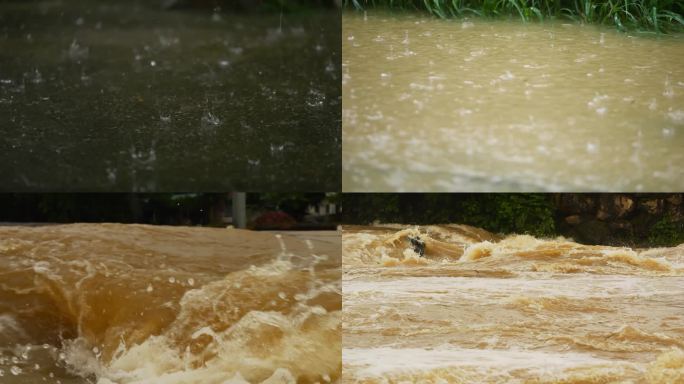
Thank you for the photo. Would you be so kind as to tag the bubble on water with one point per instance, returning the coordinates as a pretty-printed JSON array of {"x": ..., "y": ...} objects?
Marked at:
[
  {"x": 191, "y": 281},
  {"x": 36, "y": 366},
  {"x": 172, "y": 280},
  {"x": 149, "y": 288},
  {"x": 15, "y": 370},
  {"x": 153, "y": 63},
  {"x": 224, "y": 63},
  {"x": 46, "y": 346},
  {"x": 601, "y": 111},
  {"x": 2, "y": 372},
  {"x": 282, "y": 295}
]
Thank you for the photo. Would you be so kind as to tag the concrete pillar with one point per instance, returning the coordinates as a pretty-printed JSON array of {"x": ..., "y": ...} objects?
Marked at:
[{"x": 239, "y": 203}]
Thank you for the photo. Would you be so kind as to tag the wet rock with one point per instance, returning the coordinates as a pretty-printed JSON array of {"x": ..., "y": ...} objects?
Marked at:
[
  {"x": 573, "y": 220},
  {"x": 576, "y": 203},
  {"x": 611, "y": 207},
  {"x": 593, "y": 232},
  {"x": 652, "y": 206},
  {"x": 675, "y": 199}
]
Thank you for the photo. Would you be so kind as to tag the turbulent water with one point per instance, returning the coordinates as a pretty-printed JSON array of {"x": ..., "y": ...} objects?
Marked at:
[
  {"x": 127, "y": 96},
  {"x": 432, "y": 105},
  {"x": 109, "y": 303},
  {"x": 479, "y": 308}
]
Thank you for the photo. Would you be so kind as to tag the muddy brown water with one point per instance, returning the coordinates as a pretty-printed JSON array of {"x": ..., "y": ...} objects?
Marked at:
[
  {"x": 485, "y": 309},
  {"x": 433, "y": 105},
  {"x": 110, "y": 303}
]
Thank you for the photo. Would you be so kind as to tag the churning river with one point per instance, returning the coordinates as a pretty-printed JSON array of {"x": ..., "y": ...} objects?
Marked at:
[
  {"x": 111, "y": 303},
  {"x": 481, "y": 308}
]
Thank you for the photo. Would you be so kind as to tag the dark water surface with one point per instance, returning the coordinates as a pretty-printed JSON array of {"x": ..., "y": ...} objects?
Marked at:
[{"x": 126, "y": 96}]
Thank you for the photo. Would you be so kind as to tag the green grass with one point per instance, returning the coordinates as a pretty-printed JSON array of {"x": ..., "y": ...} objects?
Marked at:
[{"x": 660, "y": 16}]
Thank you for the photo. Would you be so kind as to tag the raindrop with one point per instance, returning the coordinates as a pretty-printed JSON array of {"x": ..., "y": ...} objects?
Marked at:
[
  {"x": 209, "y": 119},
  {"x": 315, "y": 98},
  {"x": 592, "y": 147}
]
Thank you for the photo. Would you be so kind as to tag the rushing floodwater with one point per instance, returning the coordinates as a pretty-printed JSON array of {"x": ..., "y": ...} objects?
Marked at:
[
  {"x": 105, "y": 96},
  {"x": 108, "y": 303},
  {"x": 482, "y": 309},
  {"x": 481, "y": 105}
]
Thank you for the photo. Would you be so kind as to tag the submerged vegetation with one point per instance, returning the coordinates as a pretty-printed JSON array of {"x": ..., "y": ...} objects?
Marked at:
[{"x": 643, "y": 15}]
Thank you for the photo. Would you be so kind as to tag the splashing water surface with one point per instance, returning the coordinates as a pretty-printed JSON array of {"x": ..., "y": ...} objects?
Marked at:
[
  {"x": 481, "y": 308},
  {"x": 434, "y": 105},
  {"x": 109, "y": 303}
]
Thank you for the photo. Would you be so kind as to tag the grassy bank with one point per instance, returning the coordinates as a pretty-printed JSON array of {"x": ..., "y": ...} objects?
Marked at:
[{"x": 658, "y": 16}]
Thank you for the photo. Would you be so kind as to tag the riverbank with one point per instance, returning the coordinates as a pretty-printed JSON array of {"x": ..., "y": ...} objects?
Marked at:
[{"x": 637, "y": 15}]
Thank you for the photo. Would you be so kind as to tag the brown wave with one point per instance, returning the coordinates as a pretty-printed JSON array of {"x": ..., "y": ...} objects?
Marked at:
[{"x": 126, "y": 303}]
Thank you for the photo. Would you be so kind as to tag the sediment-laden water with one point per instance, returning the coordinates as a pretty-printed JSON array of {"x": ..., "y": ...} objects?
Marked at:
[
  {"x": 478, "y": 308},
  {"x": 434, "y": 105},
  {"x": 127, "y": 96},
  {"x": 109, "y": 303}
]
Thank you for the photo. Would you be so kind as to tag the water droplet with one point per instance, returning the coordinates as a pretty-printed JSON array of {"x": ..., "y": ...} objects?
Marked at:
[{"x": 209, "y": 119}]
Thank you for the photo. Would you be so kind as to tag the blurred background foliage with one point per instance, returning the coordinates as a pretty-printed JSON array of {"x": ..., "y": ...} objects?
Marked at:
[
  {"x": 505, "y": 213},
  {"x": 167, "y": 209},
  {"x": 642, "y": 15},
  {"x": 614, "y": 219}
]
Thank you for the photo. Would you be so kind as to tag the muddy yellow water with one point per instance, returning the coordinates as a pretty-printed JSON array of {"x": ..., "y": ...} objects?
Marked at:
[
  {"x": 432, "y": 105},
  {"x": 109, "y": 303},
  {"x": 480, "y": 308}
]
